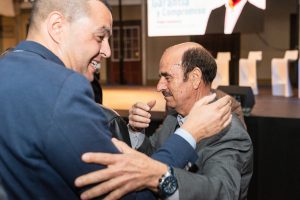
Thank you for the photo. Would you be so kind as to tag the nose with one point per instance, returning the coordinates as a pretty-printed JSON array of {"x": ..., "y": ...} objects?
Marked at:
[
  {"x": 161, "y": 85},
  {"x": 105, "y": 50}
]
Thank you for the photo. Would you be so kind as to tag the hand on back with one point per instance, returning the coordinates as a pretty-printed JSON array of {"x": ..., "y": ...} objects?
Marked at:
[{"x": 206, "y": 119}]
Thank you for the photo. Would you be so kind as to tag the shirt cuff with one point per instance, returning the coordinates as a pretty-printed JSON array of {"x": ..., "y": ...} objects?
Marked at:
[
  {"x": 186, "y": 136},
  {"x": 136, "y": 138},
  {"x": 174, "y": 196}
]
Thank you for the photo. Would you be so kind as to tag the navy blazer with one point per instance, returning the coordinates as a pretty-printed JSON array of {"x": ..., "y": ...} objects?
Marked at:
[
  {"x": 48, "y": 119},
  {"x": 2, "y": 192}
]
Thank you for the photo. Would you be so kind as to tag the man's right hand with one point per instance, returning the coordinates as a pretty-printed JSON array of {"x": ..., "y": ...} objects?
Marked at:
[
  {"x": 206, "y": 119},
  {"x": 139, "y": 115},
  {"x": 126, "y": 172}
]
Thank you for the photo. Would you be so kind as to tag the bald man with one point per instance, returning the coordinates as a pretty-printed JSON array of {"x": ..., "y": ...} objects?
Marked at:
[
  {"x": 48, "y": 115},
  {"x": 223, "y": 169}
]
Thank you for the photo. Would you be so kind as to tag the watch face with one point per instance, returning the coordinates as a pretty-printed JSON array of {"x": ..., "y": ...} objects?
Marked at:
[{"x": 169, "y": 185}]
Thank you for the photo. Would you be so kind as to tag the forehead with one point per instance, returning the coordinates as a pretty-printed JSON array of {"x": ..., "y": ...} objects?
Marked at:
[
  {"x": 99, "y": 14},
  {"x": 171, "y": 61}
]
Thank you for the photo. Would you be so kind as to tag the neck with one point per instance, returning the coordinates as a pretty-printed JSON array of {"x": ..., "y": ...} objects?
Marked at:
[
  {"x": 41, "y": 38},
  {"x": 197, "y": 95}
]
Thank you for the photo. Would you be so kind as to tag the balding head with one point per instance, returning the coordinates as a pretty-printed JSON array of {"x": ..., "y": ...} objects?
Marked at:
[
  {"x": 186, "y": 71},
  {"x": 71, "y": 9},
  {"x": 192, "y": 55},
  {"x": 182, "y": 47},
  {"x": 76, "y": 31}
]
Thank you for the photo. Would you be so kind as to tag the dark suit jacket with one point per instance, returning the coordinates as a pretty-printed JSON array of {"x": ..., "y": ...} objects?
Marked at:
[
  {"x": 48, "y": 119},
  {"x": 117, "y": 125},
  {"x": 224, "y": 168},
  {"x": 2, "y": 192},
  {"x": 248, "y": 15}
]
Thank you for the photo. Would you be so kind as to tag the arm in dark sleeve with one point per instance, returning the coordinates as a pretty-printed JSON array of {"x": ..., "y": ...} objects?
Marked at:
[
  {"x": 2, "y": 192},
  {"x": 147, "y": 147},
  {"x": 169, "y": 148},
  {"x": 176, "y": 152},
  {"x": 79, "y": 126}
]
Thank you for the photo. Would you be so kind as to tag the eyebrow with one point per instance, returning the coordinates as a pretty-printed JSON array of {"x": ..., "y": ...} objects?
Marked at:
[
  {"x": 177, "y": 64},
  {"x": 164, "y": 74},
  {"x": 106, "y": 30}
]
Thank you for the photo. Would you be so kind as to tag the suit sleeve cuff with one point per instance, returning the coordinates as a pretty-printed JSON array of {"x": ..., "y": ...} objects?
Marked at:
[
  {"x": 174, "y": 196},
  {"x": 187, "y": 136},
  {"x": 176, "y": 152}
]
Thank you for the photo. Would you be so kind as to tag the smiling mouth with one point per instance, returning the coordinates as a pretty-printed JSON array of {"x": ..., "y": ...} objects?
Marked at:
[{"x": 96, "y": 65}]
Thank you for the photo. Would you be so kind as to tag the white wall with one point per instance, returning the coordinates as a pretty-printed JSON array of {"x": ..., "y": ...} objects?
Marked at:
[{"x": 276, "y": 33}]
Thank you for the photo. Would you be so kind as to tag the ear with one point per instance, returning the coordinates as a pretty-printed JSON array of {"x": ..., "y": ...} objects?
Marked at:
[
  {"x": 196, "y": 77},
  {"x": 55, "y": 25}
]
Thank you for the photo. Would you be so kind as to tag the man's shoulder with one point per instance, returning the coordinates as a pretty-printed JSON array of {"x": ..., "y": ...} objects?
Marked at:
[
  {"x": 235, "y": 129},
  {"x": 236, "y": 135},
  {"x": 32, "y": 64}
]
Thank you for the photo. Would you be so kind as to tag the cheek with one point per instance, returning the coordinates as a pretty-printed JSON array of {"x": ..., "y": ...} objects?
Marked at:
[
  {"x": 88, "y": 53},
  {"x": 181, "y": 93},
  {"x": 176, "y": 88},
  {"x": 90, "y": 46},
  {"x": 96, "y": 47}
]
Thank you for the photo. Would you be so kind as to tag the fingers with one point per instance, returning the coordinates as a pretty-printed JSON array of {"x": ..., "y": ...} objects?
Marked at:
[
  {"x": 118, "y": 193},
  {"x": 224, "y": 101},
  {"x": 224, "y": 109},
  {"x": 143, "y": 106},
  {"x": 139, "y": 112},
  {"x": 139, "y": 121},
  {"x": 225, "y": 112},
  {"x": 96, "y": 191},
  {"x": 100, "y": 158},
  {"x": 117, "y": 185},
  {"x": 139, "y": 116},
  {"x": 104, "y": 159},
  {"x": 228, "y": 121},
  {"x": 121, "y": 146},
  {"x": 207, "y": 99},
  {"x": 96, "y": 177},
  {"x": 151, "y": 104}
]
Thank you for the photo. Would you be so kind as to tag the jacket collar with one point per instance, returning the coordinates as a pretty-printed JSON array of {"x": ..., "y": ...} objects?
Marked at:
[{"x": 36, "y": 48}]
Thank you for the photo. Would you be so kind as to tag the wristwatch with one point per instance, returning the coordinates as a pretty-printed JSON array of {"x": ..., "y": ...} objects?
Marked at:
[{"x": 167, "y": 184}]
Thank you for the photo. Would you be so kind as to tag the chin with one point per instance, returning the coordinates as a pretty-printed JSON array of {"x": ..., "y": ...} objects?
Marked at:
[
  {"x": 170, "y": 105},
  {"x": 89, "y": 77}
]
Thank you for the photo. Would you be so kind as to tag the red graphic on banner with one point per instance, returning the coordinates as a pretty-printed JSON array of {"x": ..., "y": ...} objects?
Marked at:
[{"x": 232, "y": 3}]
